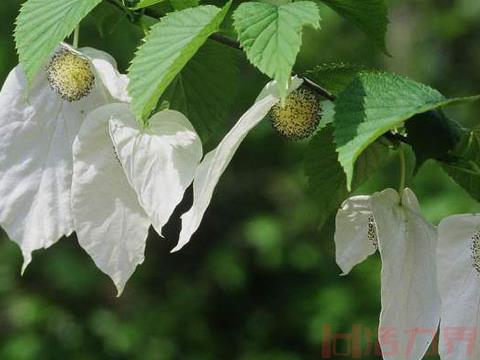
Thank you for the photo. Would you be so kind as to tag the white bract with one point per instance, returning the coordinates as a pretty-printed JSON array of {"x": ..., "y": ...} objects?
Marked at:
[
  {"x": 127, "y": 178},
  {"x": 355, "y": 232},
  {"x": 407, "y": 245},
  {"x": 37, "y": 130},
  {"x": 110, "y": 224},
  {"x": 459, "y": 284},
  {"x": 159, "y": 162},
  {"x": 215, "y": 162}
]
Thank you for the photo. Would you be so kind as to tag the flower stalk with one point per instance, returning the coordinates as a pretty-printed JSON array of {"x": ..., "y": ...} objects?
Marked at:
[
  {"x": 401, "y": 157},
  {"x": 76, "y": 37}
]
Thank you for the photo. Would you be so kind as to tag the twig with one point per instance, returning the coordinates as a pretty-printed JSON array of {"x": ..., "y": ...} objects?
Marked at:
[
  {"x": 227, "y": 41},
  {"x": 307, "y": 82}
]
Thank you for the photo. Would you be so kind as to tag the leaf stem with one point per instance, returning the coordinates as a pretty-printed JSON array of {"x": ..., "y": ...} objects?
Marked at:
[
  {"x": 76, "y": 37},
  {"x": 401, "y": 156},
  {"x": 222, "y": 39}
]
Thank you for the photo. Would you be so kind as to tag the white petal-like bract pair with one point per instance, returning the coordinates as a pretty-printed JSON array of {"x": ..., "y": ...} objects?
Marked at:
[
  {"x": 407, "y": 245},
  {"x": 37, "y": 130},
  {"x": 125, "y": 179}
]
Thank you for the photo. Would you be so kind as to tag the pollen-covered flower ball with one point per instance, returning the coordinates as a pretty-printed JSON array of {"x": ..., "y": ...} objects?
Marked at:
[
  {"x": 70, "y": 74},
  {"x": 298, "y": 117}
]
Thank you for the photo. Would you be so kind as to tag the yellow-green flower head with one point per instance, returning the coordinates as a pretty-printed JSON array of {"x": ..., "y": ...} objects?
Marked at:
[
  {"x": 70, "y": 74},
  {"x": 298, "y": 117}
]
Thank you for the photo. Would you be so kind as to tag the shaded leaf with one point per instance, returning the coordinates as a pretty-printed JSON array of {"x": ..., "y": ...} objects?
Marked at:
[
  {"x": 375, "y": 103},
  {"x": 184, "y": 4},
  {"x": 327, "y": 181},
  {"x": 420, "y": 129},
  {"x": 334, "y": 77},
  {"x": 463, "y": 164},
  {"x": 204, "y": 91},
  {"x": 370, "y": 16}
]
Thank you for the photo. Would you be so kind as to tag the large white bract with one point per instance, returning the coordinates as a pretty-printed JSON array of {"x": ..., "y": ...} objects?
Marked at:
[
  {"x": 37, "y": 130},
  {"x": 216, "y": 161},
  {"x": 458, "y": 263},
  {"x": 407, "y": 244},
  {"x": 159, "y": 162},
  {"x": 111, "y": 225}
]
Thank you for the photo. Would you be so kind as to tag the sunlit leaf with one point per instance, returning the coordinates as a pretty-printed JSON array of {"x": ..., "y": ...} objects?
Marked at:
[
  {"x": 168, "y": 47},
  {"x": 42, "y": 25}
]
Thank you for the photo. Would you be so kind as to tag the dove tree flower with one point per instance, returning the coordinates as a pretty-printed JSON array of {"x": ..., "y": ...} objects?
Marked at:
[
  {"x": 38, "y": 123},
  {"x": 407, "y": 243},
  {"x": 126, "y": 178},
  {"x": 458, "y": 264},
  {"x": 216, "y": 161}
]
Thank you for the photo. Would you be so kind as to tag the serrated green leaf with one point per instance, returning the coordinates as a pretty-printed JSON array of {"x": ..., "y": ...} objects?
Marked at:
[
  {"x": 168, "y": 47},
  {"x": 463, "y": 163},
  {"x": 375, "y": 103},
  {"x": 42, "y": 25},
  {"x": 271, "y": 35},
  {"x": 420, "y": 129},
  {"x": 326, "y": 178},
  {"x": 334, "y": 77},
  {"x": 370, "y": 16},
  {"x": 206, "y": 88}
]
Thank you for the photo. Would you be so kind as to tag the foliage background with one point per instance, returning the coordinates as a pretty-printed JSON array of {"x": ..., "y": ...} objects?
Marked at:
[{"x": 258, "y": 281}]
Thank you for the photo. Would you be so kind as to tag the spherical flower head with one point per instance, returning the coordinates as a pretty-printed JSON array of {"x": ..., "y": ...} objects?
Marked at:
[
  {"x": 70, "y": 74},
  {"x": 298, "y": 117}
]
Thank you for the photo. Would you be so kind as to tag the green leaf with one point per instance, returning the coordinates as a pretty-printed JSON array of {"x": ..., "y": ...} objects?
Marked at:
[
  {"x": 42, "y": 25},
  {"x": 334, "y": 77},
  {"x": 410, "y": 161},
  {"x": 375, "y": 103},
  {"x": 420, "y": 129},
  {"x": 183, "y": 4},
  {"x": 370, "y": 16},
  {"x": 168, "y": 47},
  {"x": 326, "y": 178},
  {"x": 463, "y": 164},
  {"x": 145, "y": 3},
  {"x": 271, "y": 35},
  {"x": 206, "y": 87}
]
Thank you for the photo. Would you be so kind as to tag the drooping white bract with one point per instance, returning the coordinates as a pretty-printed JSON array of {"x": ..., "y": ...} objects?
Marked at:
[
  {"x": 111, "y": 225},
  {"x": 216, "y": 161},
  {"x": 37, "y": 129},
  {"x": 410, "y": 300},
  {"x": 407, "y": 244},
  {"x": 159, "y": 162},
  {"x": 355, "y": 232},
  {"x": 458, "y": 260},
  {"x": 127, "y": 178}
]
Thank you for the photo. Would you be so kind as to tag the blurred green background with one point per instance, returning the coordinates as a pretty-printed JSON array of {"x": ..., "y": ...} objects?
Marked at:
[{"x": 258, "y": 281}]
